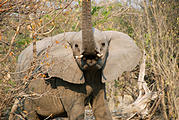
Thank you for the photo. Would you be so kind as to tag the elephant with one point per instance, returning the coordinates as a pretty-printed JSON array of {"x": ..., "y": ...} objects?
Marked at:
[{"x": 71, "y": 71}]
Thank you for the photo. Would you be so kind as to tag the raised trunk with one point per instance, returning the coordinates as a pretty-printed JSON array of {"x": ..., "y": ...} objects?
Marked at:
[{"x": 88, "y": 42}]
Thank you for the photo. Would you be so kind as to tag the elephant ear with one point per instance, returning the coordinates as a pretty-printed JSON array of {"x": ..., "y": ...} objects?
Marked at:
[
  {"x": 62, "y": 64},
  {"x": 55, "y": 58},
  {"x": 124, "y": 55}
]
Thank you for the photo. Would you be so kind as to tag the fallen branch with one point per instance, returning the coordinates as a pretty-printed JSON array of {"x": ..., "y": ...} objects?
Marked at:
[{"x": 140, "y": 105}]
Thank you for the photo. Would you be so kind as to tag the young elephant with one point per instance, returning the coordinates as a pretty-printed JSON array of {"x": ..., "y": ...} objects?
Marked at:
[{"x": 75, "y": 76}]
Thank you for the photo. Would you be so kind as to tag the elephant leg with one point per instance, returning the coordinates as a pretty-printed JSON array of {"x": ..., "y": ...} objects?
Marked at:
[
  {"x": 32, "y": 116},
  {"x": 100, "y": 106},
  {"x": 24, "y": 112},
  {"x": 75, "y": 110},
  {"x": 30, "y": 110}
]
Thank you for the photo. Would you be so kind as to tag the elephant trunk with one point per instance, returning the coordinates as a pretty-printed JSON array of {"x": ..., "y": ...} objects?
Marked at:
[{"x": 88, "y": 43}]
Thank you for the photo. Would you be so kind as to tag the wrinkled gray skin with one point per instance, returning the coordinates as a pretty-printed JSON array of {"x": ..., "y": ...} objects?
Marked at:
[{"x": 77, "y": 69}]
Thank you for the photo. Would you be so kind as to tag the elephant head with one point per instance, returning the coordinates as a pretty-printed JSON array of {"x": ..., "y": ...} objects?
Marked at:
[
  {"x": 90, "y": 46},
  {"x": 84, "y": 45},
  {"x": 88, "y": 59}
]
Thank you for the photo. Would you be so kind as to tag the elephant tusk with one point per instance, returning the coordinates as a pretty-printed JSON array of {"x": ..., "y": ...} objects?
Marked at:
[
  {"x": 79, "y": 57},
  {"x": 100, "y": 55}
]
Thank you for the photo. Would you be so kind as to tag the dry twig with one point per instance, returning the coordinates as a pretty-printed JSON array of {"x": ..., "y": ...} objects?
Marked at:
[{"x": 12, "y": 41}]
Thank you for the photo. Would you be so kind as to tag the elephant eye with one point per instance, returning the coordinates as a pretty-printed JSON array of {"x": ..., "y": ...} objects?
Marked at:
[
  {"x": 103, "y": 44},
  {"x": 76, "y": 45}
]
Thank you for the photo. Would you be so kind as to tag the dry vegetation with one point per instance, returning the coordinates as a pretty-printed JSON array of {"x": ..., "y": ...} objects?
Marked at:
[{"x": 152, "y": 23}]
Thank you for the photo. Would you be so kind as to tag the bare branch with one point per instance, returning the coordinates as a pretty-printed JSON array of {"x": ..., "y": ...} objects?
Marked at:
[
  {"x": 12, "y": 41},
  {"x": 54, "y": 17}
]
